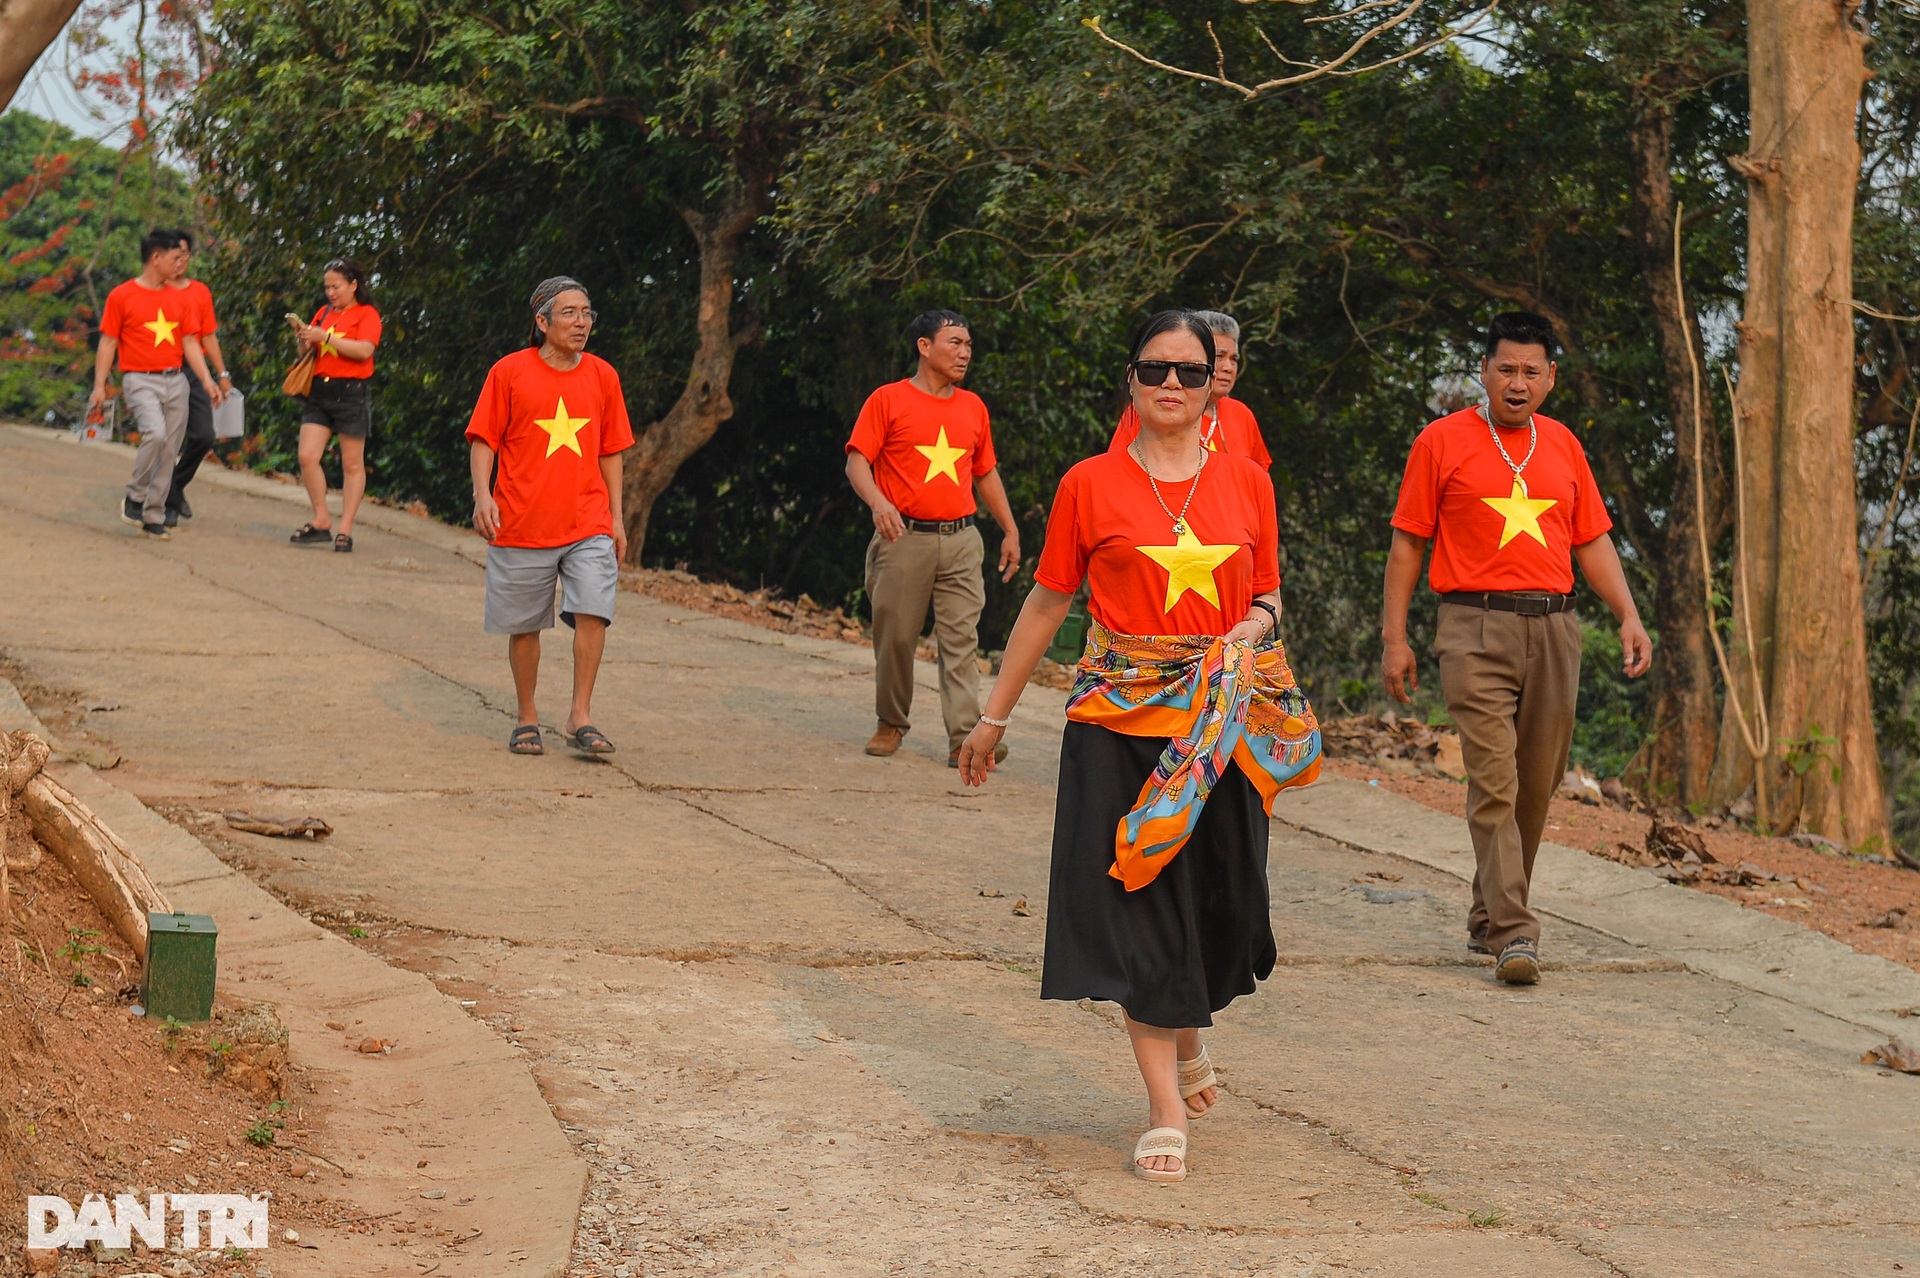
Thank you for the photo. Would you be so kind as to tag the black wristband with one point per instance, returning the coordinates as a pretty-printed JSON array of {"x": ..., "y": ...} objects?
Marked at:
[{"x": 1271, "y": 612}]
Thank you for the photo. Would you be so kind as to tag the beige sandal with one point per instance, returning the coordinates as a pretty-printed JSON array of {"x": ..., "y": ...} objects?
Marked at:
[
  {"x": 1161, "y": 1142},
  {"x": 1196, "y": 1076}
]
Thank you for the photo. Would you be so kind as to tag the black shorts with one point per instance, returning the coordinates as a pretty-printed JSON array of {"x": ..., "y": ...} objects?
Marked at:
[{"x": 344, "y": 405}]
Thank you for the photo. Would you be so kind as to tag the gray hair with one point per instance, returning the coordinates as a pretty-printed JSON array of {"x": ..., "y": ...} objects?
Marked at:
[
  {"x": 1220, "y": 322},
  {"x": 542, "y": 300}
]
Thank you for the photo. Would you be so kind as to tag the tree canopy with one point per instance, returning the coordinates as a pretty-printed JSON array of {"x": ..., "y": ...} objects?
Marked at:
[{"x": 881, "y": 157}]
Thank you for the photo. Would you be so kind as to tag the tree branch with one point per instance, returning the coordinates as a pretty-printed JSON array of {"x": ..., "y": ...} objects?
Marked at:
[{"x": 1335, "y": 67}]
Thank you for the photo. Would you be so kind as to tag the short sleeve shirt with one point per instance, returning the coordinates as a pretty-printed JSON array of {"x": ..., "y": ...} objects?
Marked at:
[
  {"x": 358, "y": 323},
  {"x": 1493, "y": 530},
  {"x": 926, "y": 450},
  {"x": 203, "y": 321},
  {"x": 1107, "y": 529},
  {"x": 550, "y": 430},
  {"x": 1232, "y": 429},
  {"x": 150, "y": 324}
]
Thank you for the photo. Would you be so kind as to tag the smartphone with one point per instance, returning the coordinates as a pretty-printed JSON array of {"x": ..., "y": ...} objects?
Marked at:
[{"x": 295, "y": 320}]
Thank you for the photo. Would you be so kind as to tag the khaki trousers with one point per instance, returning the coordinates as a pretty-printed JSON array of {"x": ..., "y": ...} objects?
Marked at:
[
  {"x": 1511, "y": 684},
  {"x": 903, "y": 578},
  {"x": 159, "y": 406}
]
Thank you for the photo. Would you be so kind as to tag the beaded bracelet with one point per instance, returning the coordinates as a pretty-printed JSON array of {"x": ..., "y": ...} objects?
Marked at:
[{"x": 998, "y": 723}]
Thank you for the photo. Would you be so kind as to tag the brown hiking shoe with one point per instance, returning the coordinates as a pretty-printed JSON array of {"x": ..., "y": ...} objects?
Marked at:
[{"x": 885, "y": 740}]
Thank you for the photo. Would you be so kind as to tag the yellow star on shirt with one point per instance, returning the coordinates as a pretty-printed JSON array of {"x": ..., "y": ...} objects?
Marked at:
[
  {"x": 1189, "y": 566},
  {"x": 1521, "y": 512},
  {"x": 161, "y": 327},
  {"x": 940, "y": 458},
  {"x": 562, "y": 431},
  {"x": 326, "y": 343}
]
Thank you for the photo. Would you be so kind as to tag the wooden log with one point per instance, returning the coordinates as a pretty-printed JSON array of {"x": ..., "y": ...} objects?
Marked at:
[{"x": 105, "y": 867}]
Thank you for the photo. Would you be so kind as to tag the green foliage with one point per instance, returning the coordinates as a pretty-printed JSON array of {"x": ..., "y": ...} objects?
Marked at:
[
  {"x": 71, "y": 216},
  {"x": 1611, "y": 722}
]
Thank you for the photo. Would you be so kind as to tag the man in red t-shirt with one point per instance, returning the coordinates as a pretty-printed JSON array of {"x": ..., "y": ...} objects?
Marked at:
[
  {"x": 199, "y": 439},
  {"x": 1508, "y": 502},
  {"x": 554, "y": 419},
  {"x": 150, "y": 327},
  {"x": 1229, "y": 425},
  {"x": 919, "y": 451}
]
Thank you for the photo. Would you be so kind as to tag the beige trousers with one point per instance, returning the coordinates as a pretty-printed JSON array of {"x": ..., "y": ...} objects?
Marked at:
[
  {"x": 904, "y": 577},
  {"x": 1511, "y": 684}
]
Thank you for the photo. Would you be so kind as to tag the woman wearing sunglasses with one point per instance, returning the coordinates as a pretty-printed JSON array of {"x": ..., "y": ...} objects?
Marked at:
[
  {"x": 346, "y": 330},
  {"x": 1183, "y": 724},
  {"x": 1229, "y": 426}
]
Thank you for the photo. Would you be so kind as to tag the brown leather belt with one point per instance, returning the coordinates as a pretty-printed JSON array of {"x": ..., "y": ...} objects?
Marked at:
[{"x": 1503, "y": 601}]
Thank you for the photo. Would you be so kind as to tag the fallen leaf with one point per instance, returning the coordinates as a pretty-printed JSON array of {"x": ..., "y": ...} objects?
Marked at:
[
  {"x": 375, "y": 1046},
  {"x": 991, "y": 892},
  {"x": 1383, "y": 876},
  {"x": 1020, "y": 908},
  {"x": 1894, "y": 1054},
  {"x": 1892, "y": 918}
]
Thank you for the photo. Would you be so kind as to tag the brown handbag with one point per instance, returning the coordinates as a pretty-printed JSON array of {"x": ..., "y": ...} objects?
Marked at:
[{"x": 299, "y": 379}]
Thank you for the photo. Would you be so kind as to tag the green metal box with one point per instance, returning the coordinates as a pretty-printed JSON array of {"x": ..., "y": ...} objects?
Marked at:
[
  {"x": 1071, "y": 638},
  {"x": 180, "y": 966}
]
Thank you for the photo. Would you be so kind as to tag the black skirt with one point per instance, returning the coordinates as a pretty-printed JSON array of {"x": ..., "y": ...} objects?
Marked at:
[{"x": 1188, "y": 943}]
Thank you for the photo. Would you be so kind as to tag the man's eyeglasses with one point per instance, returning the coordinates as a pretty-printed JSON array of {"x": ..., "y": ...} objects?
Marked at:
[
  {"x": 1153, "y": 372},
  {"x": 568, "y": 314}
]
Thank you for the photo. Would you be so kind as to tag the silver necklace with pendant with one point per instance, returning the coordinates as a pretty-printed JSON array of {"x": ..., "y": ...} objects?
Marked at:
[
  {"x": 1533, "y": 442},
  {"x": 1179, "y": 520}
]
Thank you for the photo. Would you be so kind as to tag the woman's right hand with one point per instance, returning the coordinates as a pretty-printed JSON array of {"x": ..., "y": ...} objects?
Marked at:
[{"x": 976, "y": 753}]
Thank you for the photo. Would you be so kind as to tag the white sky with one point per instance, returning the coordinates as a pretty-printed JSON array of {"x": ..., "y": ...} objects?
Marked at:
[{"x": 49, "y": 93}]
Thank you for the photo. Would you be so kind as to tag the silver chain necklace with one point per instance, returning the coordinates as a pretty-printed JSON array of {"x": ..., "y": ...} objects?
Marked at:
[
  {"x": 1179, "y": 520},
  {"x": 1533, "y": 441}
]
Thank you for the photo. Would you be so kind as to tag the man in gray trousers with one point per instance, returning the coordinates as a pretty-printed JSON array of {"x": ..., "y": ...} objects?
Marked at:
[{"x": 149, "y": 327}]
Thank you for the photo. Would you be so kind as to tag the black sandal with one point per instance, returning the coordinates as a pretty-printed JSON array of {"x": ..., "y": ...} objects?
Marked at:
[
  {"x": 308, "y": 535},
  {"x": 526, "y": 740},
  {"x": 590, "y": 739},
  {"x": 342, "y": 544}
]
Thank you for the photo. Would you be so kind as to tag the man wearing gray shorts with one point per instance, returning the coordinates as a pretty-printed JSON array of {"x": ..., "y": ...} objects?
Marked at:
[
  {"x": 544, "y": 447},
  {"x": 152, "y": 329}
]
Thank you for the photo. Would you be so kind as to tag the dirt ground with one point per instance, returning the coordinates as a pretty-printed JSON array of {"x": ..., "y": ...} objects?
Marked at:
[
  {"x": 101, "y": 1101},
  {"x": 1847, "y": 898}
]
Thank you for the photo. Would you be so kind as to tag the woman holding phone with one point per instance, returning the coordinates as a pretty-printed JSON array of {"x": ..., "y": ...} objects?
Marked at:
[{"x": 345, "y": 330}]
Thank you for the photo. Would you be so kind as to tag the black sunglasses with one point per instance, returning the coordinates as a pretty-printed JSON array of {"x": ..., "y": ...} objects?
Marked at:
[{"x": 1153, "y": 372}]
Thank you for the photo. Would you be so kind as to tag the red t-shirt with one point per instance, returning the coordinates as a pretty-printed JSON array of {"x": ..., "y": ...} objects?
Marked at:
[
  {"x": 149, "y": 324},
  {"x": 1491, "y": 532},
  {"x": 357, "y": 323},
  {"x": 203, "y": 320},
  {"x": 1236, "y": 432},
  {"x": 1107, "y": 529},
  {"x": 925, "y": 451},
  {"x": 551, "y": 429}
]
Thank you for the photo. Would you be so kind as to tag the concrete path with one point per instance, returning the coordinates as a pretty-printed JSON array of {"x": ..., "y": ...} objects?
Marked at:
[{"x": 755, "y": 974}]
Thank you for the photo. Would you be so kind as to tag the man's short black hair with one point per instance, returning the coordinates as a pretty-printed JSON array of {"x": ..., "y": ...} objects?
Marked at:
[
  {"x": 928, "y": 324},
  {"x": 158, "y": 240},
  {"x": 1522, "y": 328}
]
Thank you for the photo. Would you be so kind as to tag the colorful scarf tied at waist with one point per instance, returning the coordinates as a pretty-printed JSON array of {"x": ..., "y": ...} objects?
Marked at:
[{"x": 1215, "y": 701}]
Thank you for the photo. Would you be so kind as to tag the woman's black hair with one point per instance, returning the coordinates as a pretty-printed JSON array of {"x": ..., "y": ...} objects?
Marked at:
[
  {"x": 354, "y": 274},
  {"x": 1166, "y": 322}
]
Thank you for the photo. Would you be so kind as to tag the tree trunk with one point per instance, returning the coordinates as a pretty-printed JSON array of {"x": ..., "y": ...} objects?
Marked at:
[
  {"x": 1800, "y": 531},
  {"x": 1686, "y": 712},
  {"x": 660, "y": 449},
  {"x": 27, "y": 27}
]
